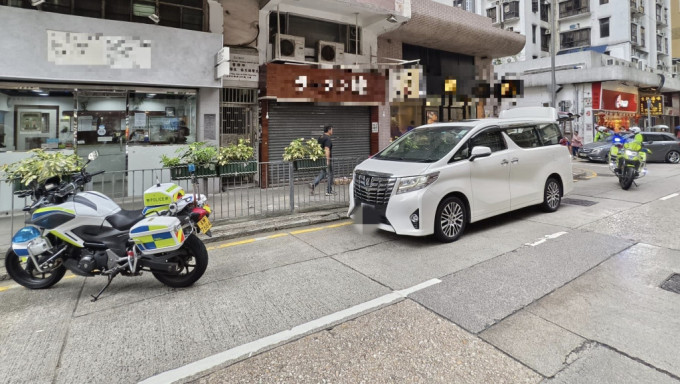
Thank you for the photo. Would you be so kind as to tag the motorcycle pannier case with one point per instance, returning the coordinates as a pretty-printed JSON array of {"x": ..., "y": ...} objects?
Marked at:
[
  {"x": 158, "y": 197},
  {"x": 158, "y": 234}
]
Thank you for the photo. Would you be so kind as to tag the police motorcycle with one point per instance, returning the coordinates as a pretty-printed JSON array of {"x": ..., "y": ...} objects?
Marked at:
[
  {"x": 628, "y": 160},
  {"x": 88, "y": 234}
]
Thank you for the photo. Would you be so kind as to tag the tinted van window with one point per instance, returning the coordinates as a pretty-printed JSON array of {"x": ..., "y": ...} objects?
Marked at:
[
  {"x": 525, "y": 137},
  {"x": 550, "y": 134},
  {"x": 491, "y": 138}
]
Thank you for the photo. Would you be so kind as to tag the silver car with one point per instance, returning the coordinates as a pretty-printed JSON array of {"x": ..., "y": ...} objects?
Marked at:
[{"x": 663, "y": 145}]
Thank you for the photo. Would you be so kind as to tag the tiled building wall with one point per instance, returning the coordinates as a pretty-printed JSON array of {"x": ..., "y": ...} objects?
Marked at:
[{"x": 387, "y": 48}]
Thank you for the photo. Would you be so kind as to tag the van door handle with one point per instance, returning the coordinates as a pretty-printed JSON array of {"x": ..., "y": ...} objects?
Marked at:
[
  {"x": 504, "y": 162},
  {"x": 515, "y": 160}
]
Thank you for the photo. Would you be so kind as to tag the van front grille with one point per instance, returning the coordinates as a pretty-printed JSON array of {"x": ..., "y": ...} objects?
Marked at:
[{"x": 373, "y": 188}]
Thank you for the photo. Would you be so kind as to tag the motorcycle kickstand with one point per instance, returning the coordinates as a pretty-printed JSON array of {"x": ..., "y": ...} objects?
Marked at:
[{"x": 95, "y": 297}]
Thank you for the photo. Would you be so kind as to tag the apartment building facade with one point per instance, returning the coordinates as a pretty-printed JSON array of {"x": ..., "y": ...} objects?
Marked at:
[{"x": 604, "y": 51}]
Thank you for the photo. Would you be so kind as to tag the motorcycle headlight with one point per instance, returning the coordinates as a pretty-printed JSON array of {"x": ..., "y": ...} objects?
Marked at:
[
  {"x": 631, "y": 153},
  {"x": 414, "y": 183}
]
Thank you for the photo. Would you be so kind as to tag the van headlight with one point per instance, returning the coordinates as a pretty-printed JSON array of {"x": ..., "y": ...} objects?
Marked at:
[{"x": 414, "y": 183}]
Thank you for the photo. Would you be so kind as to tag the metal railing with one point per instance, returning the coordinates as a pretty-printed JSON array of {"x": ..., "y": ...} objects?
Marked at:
[{"x": 276, "y": 188}]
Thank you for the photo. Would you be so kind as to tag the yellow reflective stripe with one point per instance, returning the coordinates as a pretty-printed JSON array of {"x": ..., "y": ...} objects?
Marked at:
[
  {"x": 155, "y": 227},
  {"x": 65, "y": 238},
  {"x": 172, "y": 188},
  {"x": 55, "y": 209},
  {"x": 165, "y": 243},
  {"x": 143, "y": 239}
]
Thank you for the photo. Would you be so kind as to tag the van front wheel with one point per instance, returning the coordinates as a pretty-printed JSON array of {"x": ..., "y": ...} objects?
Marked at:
[
  {"x": 552, "y": 195},
  {"x": 450, "y": 220}
]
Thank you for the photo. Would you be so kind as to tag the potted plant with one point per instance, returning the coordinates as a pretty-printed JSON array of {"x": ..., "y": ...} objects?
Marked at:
[
  {"x": 200, "y": 154},
  {"x": 39, "y": 167},
  {"x": 305, "y": 154},
  {"x": 236, "y": 158}
]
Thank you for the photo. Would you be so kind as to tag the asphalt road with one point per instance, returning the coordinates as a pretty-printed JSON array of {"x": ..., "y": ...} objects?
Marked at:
[{"x": 568, "y": 297}]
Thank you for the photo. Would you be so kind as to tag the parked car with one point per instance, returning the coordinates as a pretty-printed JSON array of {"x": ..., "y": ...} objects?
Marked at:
[
  {"x": 664, "y": 147},
  {"x": 439, "y": 177}
]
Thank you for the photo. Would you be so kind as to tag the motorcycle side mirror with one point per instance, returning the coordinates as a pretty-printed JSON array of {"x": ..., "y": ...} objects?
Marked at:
[{"x": 93, "y": 155}]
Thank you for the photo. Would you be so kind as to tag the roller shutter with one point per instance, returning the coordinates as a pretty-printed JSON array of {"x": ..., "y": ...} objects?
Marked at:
[{"x": 289, "y": 121}]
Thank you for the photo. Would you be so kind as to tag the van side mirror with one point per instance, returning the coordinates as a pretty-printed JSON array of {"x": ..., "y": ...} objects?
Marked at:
[{"x": 480, "y": 151}]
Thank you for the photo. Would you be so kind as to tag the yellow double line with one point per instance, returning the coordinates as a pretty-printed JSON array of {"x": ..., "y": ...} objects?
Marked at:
[{"x": 248, "y": 241}]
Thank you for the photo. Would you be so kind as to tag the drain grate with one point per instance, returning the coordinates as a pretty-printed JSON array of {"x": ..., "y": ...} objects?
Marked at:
[
  {"x": 583, "y": 203},
  {"x": 672, "y": 284}
]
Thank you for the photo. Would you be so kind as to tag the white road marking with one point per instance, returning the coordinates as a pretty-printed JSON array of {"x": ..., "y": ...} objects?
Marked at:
[
  {"x": 672, "y": 195},
  {"x": 545, "y": 238},
  {"x": 253, "y": 347}
]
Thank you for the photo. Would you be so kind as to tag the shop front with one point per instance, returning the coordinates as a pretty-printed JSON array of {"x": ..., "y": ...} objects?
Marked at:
[
  {"x": 615, "y": 106},
  {"x": 131, "y": 91},
  {"x": 300, "y": 100}
]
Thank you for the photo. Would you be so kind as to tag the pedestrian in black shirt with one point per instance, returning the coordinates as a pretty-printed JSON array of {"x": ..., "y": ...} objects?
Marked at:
[{"x": 327, "y": 144}]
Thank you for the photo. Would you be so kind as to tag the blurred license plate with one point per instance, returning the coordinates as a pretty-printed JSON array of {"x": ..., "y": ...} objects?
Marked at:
[{"x": 204, "y": 224}]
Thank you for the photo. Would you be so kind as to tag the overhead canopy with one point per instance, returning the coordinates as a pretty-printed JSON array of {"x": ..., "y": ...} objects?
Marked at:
[{"x": 438, "y": 26}]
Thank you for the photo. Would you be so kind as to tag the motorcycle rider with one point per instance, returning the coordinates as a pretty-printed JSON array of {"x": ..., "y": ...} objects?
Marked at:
[
  {"x": 636, "y": 143},
  {"x": 602, "y": 133}
]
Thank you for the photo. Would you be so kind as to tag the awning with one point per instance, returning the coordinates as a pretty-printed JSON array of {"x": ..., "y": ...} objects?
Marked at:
[
  {"x": 438, "y": 26},
  {"x": 597, "y": 48}
]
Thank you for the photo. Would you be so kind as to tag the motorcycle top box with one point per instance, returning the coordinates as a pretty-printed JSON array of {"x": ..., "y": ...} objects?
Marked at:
[
  {"x": 158, "y": 234},
  {"x": 160, "y": 196}
]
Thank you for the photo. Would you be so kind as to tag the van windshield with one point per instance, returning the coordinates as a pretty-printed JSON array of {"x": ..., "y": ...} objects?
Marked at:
[{"x": 424, "y": 145}]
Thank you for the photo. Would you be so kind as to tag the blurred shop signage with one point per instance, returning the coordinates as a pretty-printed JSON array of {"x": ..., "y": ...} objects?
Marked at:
[
  {"x": 651, "y": 104},
  {"x": 237, "y": 65},
  {"x": 306, "y": 84},
  {"x": 406, "y": 83},
  {"x": 618, "y": 101}
]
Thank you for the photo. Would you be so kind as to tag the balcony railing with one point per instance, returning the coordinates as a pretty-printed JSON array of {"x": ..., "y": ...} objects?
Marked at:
[{"x": 573, "y": 11}]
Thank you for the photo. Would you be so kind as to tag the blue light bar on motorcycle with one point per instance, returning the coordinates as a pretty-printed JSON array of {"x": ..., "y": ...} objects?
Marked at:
[{"x": 26, "y": 234}]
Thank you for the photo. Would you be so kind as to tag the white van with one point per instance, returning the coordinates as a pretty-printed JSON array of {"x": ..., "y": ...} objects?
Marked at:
[{"x": 438, "y": 177}]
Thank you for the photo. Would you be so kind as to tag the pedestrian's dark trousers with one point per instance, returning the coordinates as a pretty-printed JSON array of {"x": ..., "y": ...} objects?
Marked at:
[{"x": 326, "y": 171}]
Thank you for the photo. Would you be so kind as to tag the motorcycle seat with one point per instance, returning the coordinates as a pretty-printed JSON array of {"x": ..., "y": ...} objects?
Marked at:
[{"x": 124, "y": 220}]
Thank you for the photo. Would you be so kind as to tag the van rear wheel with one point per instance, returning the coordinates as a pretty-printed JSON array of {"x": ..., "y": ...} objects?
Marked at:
[{"x": 450, "y": 220}]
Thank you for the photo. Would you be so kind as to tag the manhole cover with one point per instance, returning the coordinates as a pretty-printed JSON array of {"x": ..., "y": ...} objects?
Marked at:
[
  {"x": 672, "y": 284},
  {"x": 584, "y": 203}
]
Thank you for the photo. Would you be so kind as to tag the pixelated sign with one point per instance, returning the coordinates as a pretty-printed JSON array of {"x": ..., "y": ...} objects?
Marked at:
[
  {"x": 119, "y": 52},
  {"x": 406, "y": 83}
]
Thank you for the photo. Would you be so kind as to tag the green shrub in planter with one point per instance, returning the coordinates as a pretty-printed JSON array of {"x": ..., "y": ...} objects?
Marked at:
[
  {"x": 305, "y": 154},
  {"x": 41, "y": 166},
  {"x": 202, "y": 155},
  {"x": 236, "y": 159}
]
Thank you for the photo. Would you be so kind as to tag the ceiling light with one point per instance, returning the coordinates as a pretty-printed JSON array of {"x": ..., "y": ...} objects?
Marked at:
[
  {"x": 392, "y": 19},
  {"x": 154, "y": 17},
  {"x": 35, "y": 3}
]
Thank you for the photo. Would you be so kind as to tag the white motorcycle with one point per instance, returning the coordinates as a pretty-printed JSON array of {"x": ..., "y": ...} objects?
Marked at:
[{"x": 88, "y": 234}]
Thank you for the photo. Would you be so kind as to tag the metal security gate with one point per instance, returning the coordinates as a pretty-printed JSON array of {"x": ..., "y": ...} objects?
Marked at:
[
  {"x": 351, "y": 133},
  {"x": 238, "y": 115}
]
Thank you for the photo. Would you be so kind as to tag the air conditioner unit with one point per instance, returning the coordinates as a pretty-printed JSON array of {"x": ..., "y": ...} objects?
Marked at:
[
  {"x": 328, "y": 52},
  {"x": 291, "y": 47}
]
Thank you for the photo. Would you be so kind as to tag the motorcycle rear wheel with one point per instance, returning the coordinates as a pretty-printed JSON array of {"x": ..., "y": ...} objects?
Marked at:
[
  {"x": 626, "y": 179},
  {"x": 193, "y": 257},
  {"x": 25, "y": 274}
]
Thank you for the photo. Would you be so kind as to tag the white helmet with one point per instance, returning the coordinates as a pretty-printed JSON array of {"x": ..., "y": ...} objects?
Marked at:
[
  {"x": 635, "y": 130},
  {"x": 601, "y": 128}
]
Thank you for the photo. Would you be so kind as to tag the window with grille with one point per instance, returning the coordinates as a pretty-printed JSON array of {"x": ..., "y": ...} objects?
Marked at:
[{"x": 573, "y": 39}]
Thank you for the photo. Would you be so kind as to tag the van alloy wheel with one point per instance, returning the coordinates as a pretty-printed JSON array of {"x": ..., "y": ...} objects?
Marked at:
[
  {"x": 552, "y": 195},
  {"x": 450, "y": 220}
]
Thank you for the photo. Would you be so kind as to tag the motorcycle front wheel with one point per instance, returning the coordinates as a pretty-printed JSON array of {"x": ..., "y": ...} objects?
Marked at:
[
  {"x": 192, "y": 258},
  {"x": 24, "y": 272},
  {"x": 626, "y": 179}
]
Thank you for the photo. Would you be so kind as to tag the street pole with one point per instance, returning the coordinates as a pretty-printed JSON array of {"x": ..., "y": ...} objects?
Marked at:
[{"x": 553, "y": 48}]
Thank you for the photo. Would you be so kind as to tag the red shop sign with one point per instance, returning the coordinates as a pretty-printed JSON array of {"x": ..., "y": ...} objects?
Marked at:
[
  {"x": 619, "y": 101},
  {"x": 305, "y": 84}
]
